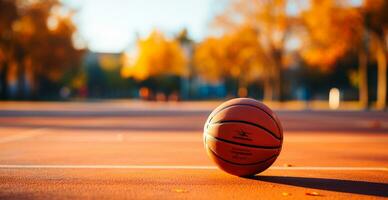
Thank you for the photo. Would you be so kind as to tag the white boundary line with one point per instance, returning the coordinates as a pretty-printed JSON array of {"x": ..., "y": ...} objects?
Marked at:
[
  {"x": 189, "y": 167},
  {"x": 332, "y": 168}
]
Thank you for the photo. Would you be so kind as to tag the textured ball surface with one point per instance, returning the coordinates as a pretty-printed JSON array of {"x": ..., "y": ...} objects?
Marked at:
[{"x": 243, "y": 136}]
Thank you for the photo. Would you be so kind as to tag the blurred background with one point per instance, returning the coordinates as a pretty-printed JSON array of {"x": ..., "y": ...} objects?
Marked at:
[{"x": 298, "y": 52}]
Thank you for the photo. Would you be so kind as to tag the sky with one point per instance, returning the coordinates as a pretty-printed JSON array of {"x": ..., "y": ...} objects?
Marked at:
[{"x": 112, "y": 26}]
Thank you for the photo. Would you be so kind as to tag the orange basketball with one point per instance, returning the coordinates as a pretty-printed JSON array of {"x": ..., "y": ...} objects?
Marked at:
[{"x": 243, "y": 136}]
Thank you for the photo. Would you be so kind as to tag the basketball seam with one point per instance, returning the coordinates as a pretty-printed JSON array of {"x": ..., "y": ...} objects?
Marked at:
[
  {"x": 249, "y": 123},
  {"x": 229, "y": 121},
  {"x": 273, "y": 119},
  {"x": 233, "y": 163},
  {"x": 240, "y": 144}
]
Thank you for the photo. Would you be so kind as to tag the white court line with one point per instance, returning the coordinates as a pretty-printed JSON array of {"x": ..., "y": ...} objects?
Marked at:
[
  {"x": 190, "y": 167},
  {"x": 22, "y": 136},
  {"x": 332, "y": 168}
]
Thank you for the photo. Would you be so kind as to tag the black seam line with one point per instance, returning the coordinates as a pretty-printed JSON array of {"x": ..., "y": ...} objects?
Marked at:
[
  {"x": 256, "y": 163},
  {"x": 223, "y": 159},
  {"x": 249, "y": 123},
  {"x": 240, "y": 144},
  {"x": 229, "y": 121},
  {"x": 243, "y": 104}
]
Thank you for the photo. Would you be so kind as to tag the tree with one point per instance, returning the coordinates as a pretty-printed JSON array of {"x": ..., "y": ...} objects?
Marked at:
[
  {"x": 375, "y": 15},
  {"x": 270, "y": 21},
  {"x": 41, "y": 45},
  {"x": 156, "y": 55},
  {"x": 8, "y": 15},
  {"x": 209, "y": 59},
  {"x": 335, "y": 29},
  {"x": 237, "y": 54}
]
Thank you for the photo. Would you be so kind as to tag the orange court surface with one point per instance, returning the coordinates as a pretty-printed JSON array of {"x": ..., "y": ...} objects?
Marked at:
[{"x": 144, "y": 150}]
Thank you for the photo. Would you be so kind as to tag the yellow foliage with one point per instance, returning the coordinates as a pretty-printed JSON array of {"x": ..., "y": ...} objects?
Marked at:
[
  {"x": 267, "y": 16},
  {"x": 238, "y": 54},
  {"x": 333, "y": 31},
  {"x": 209, "y": 58},
  {"x": 157, "y": 56},
  {"x": 24, "y": 26}
]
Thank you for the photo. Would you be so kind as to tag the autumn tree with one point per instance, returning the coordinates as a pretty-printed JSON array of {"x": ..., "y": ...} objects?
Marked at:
[
  {"x": 269, "y": 19},
  {"x": 237, "y": 55},
  {"x": 336, "y": 29},
  {"x": 8, "y": 15},
  {"x": 209, "y": 59},
  {"x": 41, "y": 41},
  {"x": 375, "y": 15},
  {"x": 155, "y": 56}
]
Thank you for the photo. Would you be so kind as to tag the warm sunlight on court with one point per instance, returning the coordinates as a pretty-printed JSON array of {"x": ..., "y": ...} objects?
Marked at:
[{"x": 193, "y": 99}]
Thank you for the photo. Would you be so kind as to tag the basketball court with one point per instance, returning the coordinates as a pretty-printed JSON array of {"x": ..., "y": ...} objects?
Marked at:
[{"x": 137, "y": 150}]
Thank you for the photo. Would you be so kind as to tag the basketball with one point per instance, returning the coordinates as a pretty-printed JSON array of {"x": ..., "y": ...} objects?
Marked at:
[{"x": 243, "y": 136}]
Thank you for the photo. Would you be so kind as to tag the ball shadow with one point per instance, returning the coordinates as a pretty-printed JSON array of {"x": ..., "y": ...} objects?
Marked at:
[{"x": 336, "y": 185}]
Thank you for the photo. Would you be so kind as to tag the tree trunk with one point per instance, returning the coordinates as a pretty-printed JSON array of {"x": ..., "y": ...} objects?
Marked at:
[
  {"x": 363, "y": 79},
  {"x": 381, "y": 78},
  {"x": 4, "y": 82},
  {"x": 276, "y": 86},
  {"x": 242, "y": 86},
  {"x": 21, "y": 94},
  {"x": 268, "y": 89},
  {"x": 184, "y": 87},
  {"x": 277, "y": 76}
]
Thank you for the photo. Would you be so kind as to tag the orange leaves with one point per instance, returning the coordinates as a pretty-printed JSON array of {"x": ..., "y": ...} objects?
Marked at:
[
  {"x": 24, "y": 26},
  {"x": 156, "y": 55},
  {"x": 323, "y": 56},
  {"x": 209, "y": 59},
  {"x": 373, "y": 4},
  {"x": 333, "y": 31},
  {"x": 332, "y": 28},
  {"x": 237, "y": 54},
  {"x": 34, "y": 36}
]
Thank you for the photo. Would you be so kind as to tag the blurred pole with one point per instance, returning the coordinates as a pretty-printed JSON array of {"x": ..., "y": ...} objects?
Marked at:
[
  {"x": 334, "y": 98},
  {"x": 363, "y": 79},
  {"x": 187, "y": 45},
  {"x": 278, "y": 78},
  {"x": 268, "y": 90},
  {"x": 185, "y": 87},
  {"x": 3, "y": 81},
  {"x": 381, "y": 77}
]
